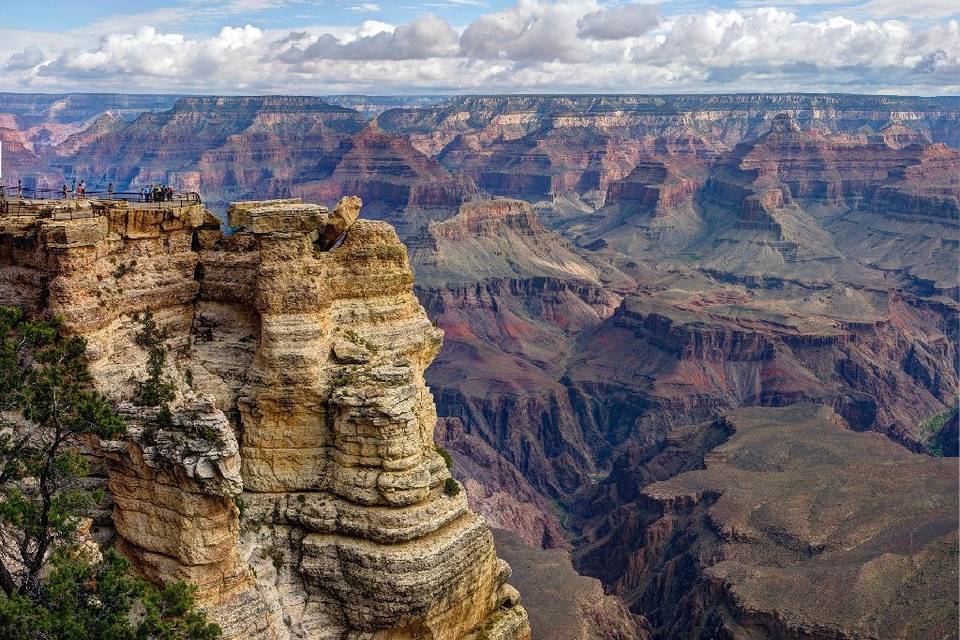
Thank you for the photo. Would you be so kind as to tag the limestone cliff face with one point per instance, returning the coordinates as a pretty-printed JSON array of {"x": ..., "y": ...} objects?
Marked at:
[{"x": 295, "y": 480}]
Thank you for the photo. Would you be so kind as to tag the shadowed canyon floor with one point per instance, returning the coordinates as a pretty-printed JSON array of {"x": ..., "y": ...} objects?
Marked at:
[
  {"x": 794, "y": 525},
  {"x": 609, "y": 272}
]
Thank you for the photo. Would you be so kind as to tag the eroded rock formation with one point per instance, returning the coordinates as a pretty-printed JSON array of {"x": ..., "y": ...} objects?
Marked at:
[
  {"x": 564, "y": 605},
  {"x": 783, "y": 523},
  {"x": 294, "y": 478}
]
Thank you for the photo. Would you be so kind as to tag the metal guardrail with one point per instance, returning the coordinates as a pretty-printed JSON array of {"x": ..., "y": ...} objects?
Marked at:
[{"x": 15, "y": 200}]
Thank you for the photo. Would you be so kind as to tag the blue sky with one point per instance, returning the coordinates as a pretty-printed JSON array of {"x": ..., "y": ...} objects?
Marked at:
[
  {"x": 210, "y": 16},
  {"x": 480, "y": 46}
]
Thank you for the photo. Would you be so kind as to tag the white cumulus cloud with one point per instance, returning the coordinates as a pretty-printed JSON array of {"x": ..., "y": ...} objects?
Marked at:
[
  {"x": 532, "y": 45},
  {"x": 28, "y": 58},
  {"x": 620, "y": 22},
  {"x": 425, "y": 37}
]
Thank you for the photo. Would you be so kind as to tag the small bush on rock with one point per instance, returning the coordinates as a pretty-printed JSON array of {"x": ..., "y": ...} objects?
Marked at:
[
  {"x": 156, "y": 390},
  {"x": 451, "y": 487},
  {"x": 446, "y": 457}
]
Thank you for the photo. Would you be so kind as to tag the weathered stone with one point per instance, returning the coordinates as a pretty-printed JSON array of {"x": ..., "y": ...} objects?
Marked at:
[
  {"x": 344, "y": 215},
  {"x": 317, "y": 359},
  {"x": 278, "y": 216},
  {"x": 346, "y": 352}
]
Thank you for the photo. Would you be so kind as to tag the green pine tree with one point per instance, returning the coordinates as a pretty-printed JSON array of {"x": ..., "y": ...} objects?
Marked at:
[{"x": 49, "y": 589}]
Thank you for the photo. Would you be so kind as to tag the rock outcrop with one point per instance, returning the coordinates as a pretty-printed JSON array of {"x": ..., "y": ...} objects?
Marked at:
[
  {"x": 293, "y": 475},
  {"x": 564, "y": 605}
]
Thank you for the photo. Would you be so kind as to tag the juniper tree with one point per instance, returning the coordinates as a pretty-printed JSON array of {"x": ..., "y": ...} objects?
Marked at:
[
  {"x": 49, "y": 588},
  {"x": 49, "y": 404}
]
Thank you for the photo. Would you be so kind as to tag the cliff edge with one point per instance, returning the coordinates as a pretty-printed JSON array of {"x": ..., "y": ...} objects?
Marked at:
[{"x": 289, "y": 471}]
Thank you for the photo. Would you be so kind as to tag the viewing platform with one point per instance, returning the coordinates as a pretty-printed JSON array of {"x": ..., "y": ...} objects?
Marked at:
[
  {"x": 69, "y": 223},
  {"x": 91, "y": 205}
]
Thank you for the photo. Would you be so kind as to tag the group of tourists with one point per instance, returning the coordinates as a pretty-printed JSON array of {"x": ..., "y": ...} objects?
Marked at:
[
  {"x": 78, "y": 191},
  {"x": 156, "y": 193}
]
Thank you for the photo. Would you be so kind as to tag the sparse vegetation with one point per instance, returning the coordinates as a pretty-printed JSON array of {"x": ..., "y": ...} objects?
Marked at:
[
  {"x": 446, "y": 457},
  {"x": 164, "y": 417},
  {"x": 360, "y": 341},
  {"x": 451, "y": 487},
  {"x": 150, "y": 334},
  {"x": 208, "y": 433},
  {"x": 49, "y": 587},
  {"x": 930, "y": 429},
  {"x": 124, "y": 268},
  {"x": 157, "y": 389},
  {"x": 561, "y": 512}
]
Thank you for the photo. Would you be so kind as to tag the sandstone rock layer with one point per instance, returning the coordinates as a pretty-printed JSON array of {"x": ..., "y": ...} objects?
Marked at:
[{"x": 295, "y": 479}]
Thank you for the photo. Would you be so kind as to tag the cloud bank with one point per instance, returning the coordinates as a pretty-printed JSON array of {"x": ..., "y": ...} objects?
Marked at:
[{"x": 531, "y": 46}]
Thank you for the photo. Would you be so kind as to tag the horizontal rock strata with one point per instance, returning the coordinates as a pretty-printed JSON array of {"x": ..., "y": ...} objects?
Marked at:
[{"x": 294, "y": 479}]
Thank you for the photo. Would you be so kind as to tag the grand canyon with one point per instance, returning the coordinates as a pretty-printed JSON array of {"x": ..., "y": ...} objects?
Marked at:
[{"x": 693, "y": 359}]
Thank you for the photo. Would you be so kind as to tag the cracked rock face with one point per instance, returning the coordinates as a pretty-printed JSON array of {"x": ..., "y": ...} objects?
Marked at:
[{"x": 295, "y": 479}]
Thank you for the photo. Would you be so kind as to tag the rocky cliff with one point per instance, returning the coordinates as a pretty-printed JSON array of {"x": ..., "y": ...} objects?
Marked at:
[
  {"x": 541, "y": 146},
  {"x": 292, "y": 473}
]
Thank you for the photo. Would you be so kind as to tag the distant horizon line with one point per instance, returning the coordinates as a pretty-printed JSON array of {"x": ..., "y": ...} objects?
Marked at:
[{"x": 481, "y": 94}]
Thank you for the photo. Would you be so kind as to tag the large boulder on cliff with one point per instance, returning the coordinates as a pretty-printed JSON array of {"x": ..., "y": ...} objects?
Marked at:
[{"x": 344, "y": 215}]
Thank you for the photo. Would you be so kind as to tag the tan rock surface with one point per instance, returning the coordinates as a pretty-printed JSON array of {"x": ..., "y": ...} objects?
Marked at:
[{"x": 296, "y": 482}]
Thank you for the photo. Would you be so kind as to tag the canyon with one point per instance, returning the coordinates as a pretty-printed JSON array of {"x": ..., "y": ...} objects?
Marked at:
[{"x": 650, "y": 304}]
